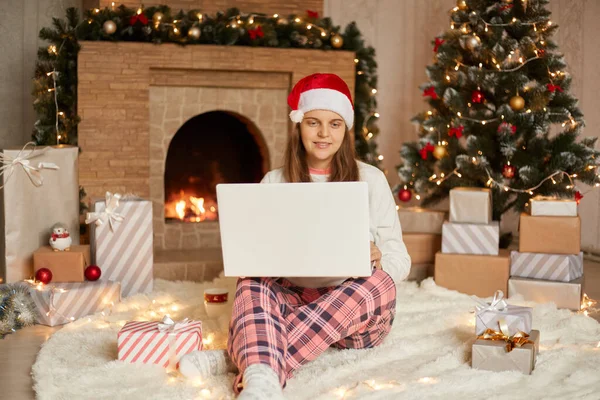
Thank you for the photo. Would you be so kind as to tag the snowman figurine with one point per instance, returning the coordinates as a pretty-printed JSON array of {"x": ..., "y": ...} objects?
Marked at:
[{"x": 60, "y": 240}]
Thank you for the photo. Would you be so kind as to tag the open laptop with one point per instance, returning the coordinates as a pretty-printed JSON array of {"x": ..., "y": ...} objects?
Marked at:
[{"x": 295, "y": 229}]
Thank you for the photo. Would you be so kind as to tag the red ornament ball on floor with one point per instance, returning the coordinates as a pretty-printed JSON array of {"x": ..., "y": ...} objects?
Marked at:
[
  {"x": 404, "y": 195},
  {"x": 43, "y": 275},
  {"x": 92, "y": 273}
]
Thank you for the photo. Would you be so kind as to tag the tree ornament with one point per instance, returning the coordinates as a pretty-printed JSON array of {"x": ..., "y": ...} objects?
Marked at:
[
  {"x": 517, "y": 103},
  {"x": 92, "y": 273},
  {"x": 404, "y": 195},
  {"x": 472, "y": 42},
  {"x": 509, "y": 171},
  {"x": 337, "y": 41},
  {"x": 141, "y": 18},
  {"x": 431, "y": 93},
  {"x": 553, "y": 88},
  {"x": 256, "y": 33},
  {"x": 578, "y": 196},
  {"x": 461, "y": 4},
  {"x": 43, "y": 275},
  {"x": 194, "y": 32},
  {"x": 456, "y": 131},
  {"x": 477, "y": 96},
  {"x": 157, "y": 17},
  {"x": 541, "y": 52},
  {"x": 109, "y": 27},
  {"x": 440, "y": 152},
  {"x": 438, "y": 43},
  {"x": 60, "y": 239},
  {"x": 506, "y": 127},
  {"x": 428, "y": 148}
]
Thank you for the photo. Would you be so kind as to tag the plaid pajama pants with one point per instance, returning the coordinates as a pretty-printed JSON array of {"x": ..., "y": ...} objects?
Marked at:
[{"x": 286, "y": 326}]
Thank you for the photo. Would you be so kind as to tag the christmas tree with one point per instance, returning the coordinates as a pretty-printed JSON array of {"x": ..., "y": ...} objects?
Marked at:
[{"x": 500, "y": 113}]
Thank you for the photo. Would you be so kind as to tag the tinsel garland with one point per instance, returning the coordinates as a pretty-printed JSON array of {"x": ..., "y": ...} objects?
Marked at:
[
  {"x": 55, "y": 85},
  {"x": 17, "y": 309}
]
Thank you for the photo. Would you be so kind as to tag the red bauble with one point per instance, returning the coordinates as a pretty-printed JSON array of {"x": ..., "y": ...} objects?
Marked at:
[
  {"x": 477, "y": 96},
  {"x": 509, "y": 171},
  {"x": 43, "y": 275},
  {"x": 92, "y": 273},
  {"x": 404, "y": 195}
]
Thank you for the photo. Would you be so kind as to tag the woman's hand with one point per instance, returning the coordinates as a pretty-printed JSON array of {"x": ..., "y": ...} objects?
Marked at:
[{"x": 375, "y": 256}]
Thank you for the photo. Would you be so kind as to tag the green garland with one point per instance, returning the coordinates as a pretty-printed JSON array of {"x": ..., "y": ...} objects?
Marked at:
[{"x": 57, "y": 64}]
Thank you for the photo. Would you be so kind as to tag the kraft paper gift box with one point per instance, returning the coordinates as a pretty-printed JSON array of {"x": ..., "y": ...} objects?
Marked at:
[
  {"x": 422, "y": 247},
  {"x": 489, "y": 315},
  {"x": 66, "y": 266},
  {"x": 471, "y": 205},
  {"x": 472, "y": 274},
  {"x": 121, "y": 241},
  {"x": 471, "y": 238},
  {"x": 162, "y": 343},
  {"x": 62, "y": 303},
  {"x": 550, "y": 235},
  {"x": 563, "y": 294},
  {"x": 552, "y": 267},
  {"x": 550, "y": 206},
  {"x": 492, "y": 355},
  {"x": 421, "y": 220},
  {"x": 40, "y": 188},
  {"x": 419, "y": 272}
]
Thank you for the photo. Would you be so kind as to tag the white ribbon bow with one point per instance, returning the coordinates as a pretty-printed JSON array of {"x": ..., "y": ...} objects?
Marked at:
[
  {"x": 23, "y": 159},
  {"x": 171, "y": 327},
  {"x": 498, "y": 303},
  {"x": 109, "y": 213},
  {"x": 168, "y": 325}
]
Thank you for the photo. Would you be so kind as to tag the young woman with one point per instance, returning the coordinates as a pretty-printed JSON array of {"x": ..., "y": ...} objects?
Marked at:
[{"x": 280, "y": 324}]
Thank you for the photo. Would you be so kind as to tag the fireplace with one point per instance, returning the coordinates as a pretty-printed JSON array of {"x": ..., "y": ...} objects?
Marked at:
[{"x": 211, "y": 148}]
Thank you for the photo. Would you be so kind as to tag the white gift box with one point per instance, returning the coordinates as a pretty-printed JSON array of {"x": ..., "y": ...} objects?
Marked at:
[
  {"x": 471, "y": 205},
  {"x": 490, "y": 315},
  {"x": 550, "y": 206}
]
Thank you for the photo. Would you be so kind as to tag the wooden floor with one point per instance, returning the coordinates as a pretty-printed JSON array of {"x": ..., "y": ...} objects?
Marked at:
[{"x": 18, "y": 351}]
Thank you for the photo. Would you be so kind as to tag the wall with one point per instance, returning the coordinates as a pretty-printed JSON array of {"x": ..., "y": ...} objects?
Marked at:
[{"x": 402, "y": 31}]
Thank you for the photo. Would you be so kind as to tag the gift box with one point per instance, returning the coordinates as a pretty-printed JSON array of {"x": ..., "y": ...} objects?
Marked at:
[
  {"x": 419, "y": 272},
  {"x": 550, "y": 235},
  {"x": 66, "y": 266},
  {"x": 121, "y": 241},
  {"x": 551, "y": 206},
  {"x": 422, "y": 247},
  {"x": 158, "y": 342},
  {"x": 552, "y": 267},
  {"x": 61, "y": 303},
  {"x": 491, "y": 315},
  {"x": 471, "y": 205},
  {"x": 40, "y": 188},
  {"x": 472, "y": 274},
  {"x": 493, "y": 354},
  {"x": 563, "y": 294},
  {"x": 471, "y": 238},
  {"x": 421, "y": 220}
]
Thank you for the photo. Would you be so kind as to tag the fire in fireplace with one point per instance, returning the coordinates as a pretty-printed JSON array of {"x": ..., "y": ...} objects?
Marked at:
[{"x": 211, "y": 148}]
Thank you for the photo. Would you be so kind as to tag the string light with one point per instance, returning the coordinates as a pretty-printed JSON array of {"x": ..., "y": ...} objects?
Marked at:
[{"x": 499, "y": 68}]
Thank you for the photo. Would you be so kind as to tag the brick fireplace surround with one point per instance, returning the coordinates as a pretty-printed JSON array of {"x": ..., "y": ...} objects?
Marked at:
[{"x": 132, "y": 99}]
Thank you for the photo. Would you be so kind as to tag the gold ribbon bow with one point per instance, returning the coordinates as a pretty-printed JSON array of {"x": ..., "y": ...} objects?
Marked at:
[
  {"x": 109, "y": 213},
  {"x": 171, "y": 327},
  {"x": 23, "y": 159},
  {"x": 517, "y": 340}
]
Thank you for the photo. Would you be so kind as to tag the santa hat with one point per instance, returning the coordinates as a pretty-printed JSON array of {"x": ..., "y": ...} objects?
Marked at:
[{"x": 321, "y": 92}]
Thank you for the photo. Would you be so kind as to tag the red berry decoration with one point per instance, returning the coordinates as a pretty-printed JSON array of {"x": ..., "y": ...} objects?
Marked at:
[
  {"x": 477, "y": 96},
  {"x": 92, "y": 273},
  {"x": 509, "y": 171},
  {"x": 404, "y": 195},
  {"x": 43, "y": 275},
  {"x": 578, "y": 196}
]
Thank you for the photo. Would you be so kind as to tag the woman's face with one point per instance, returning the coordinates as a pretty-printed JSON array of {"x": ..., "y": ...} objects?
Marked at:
[{"x": 322, "y": 133}]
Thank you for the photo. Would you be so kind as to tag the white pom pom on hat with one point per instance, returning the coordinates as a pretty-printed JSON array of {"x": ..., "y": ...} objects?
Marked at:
[{"x": 321, "y": 92}]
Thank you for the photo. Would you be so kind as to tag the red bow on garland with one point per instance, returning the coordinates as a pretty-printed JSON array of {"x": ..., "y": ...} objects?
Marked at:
[
  {"x": 427, "y": 149},
  {"x": 506, "y": 7},
  {"x": 578, "y": 196},
  {"x": 256, "y": 33},
  {"x": 138, "y": 17},
  {"x": 553, "y": 88},
  {"x": 312, "y": 14},
  {"x": 458, "y": 132},
  {"x": 66, "y": 235},
  {"x": 438, "y": 43},
  {"x": 431, "y": 93}
]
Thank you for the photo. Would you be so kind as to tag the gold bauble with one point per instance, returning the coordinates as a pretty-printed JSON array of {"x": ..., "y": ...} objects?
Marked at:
[
  {"x": 337, "y": 41},
  {"x": 440, "y": 152},
  {"x": 472, "y": 42},
  {"x": 517, "y": 103},
  {"x": 157, "y": 17},
  {"x": 462, "y": 4},
  {"x": 109, "y": 27},
  {"x": 194, "y": 32}
]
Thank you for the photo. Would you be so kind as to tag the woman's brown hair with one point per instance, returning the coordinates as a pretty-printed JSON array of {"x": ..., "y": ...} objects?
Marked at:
[{"x": 344, "y": 167}]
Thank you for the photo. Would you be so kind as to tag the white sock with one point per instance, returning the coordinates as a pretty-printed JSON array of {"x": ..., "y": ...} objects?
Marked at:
[
  {"x": 205, "y": 363},
  {"x": 260, "y": 383}
]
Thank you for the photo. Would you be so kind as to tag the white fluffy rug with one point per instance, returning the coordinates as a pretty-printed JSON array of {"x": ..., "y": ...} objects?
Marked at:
[{"x": 426, "y": 356}]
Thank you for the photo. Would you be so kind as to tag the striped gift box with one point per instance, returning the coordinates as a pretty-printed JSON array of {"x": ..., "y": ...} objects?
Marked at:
[
  {"x": 551, "y": 267},
  {"x": 471, "y": 238},
  {"x": 62, "y": 303},
  {"x": 123, "y": 249},
  {"x": 143, "y": 342}
]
